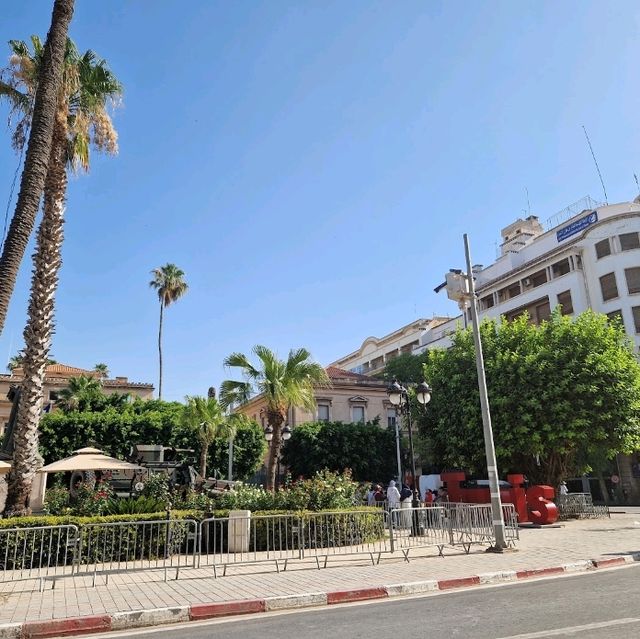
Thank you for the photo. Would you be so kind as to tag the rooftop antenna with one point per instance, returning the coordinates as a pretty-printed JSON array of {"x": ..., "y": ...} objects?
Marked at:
[
  {"x": 635, "y": 177},
  {"x": 528, "y": 203},
  {"x": 586, "y": 135}
]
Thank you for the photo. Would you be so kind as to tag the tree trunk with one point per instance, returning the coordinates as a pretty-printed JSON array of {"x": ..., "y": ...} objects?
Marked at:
[
  {"x": 203, "y": 460},
  {"x": 39, "y": 147},
  {"x": 160, "y": 352},
  {"x": 275, "y": 420},
  {"x": 39, "y": 328}
]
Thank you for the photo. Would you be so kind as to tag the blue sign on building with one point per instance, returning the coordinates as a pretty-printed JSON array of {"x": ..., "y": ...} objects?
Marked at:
[{"x": 577, "y": 226}]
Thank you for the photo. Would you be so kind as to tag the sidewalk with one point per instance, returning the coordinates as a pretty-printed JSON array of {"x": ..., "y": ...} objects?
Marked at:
[{"x": 120, "y": 603}]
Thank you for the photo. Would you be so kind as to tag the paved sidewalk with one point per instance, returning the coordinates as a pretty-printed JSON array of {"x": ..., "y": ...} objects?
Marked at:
[{"x": 573, "y": 546}]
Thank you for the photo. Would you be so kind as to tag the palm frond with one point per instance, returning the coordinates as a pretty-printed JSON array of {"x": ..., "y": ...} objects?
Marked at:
[
  {"x": 240, "y": 360},
  {"x": 235, "y": 393}
]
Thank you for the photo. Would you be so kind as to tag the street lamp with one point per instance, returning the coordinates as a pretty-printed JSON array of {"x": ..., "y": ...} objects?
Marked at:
[
  {"x": 399, "y": 397},
  {"x": 285, "y": 434}
]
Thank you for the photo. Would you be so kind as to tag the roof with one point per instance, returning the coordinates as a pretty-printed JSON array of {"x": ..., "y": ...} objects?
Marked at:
[
  {"x": 88, "y": 459},
  {"x": 334, "y": 372},
  {"x": 73, "y": 371}
]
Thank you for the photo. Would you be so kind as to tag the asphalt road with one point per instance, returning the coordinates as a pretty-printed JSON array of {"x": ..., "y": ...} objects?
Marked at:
[{"x": 590, "y": 606}]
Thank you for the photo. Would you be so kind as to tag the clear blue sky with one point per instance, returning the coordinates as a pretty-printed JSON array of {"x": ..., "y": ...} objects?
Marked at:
[{"x": 312, "y": 165}]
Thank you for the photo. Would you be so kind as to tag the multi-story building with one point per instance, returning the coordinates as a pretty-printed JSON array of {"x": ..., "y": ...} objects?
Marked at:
[
  {"x": 56, "y": 378},
  {"x": 376, "y": 352}
]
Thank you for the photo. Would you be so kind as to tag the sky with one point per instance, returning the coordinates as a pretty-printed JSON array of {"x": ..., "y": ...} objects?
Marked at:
[{"x": 313, "y": 165}]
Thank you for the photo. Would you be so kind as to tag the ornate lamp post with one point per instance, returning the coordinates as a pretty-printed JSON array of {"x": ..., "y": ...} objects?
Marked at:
[
  {"x": 286, "y": 435},
  {"x": 399, "y": 396}
]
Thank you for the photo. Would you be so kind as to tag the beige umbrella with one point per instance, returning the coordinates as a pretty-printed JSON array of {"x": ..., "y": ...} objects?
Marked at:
[
  {"x": 4, "y": 467},
  {"x": 88, "y": 459}
]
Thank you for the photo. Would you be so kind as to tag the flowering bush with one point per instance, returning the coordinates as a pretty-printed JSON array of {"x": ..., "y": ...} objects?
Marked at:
[
  {"x": 56, "y": 501},
  {"x": 92, "y": 500},
  {"x": 157, "y": 487}
]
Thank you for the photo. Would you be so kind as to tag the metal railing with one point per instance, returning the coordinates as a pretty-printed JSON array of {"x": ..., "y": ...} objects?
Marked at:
[
  {"x": 37, "y": 553},
  {"x": 137, "y": 545},
  {"x": 419, "y": 528},
  {"x": 579, "y": 506},
  {"x": 473, "y": 524}
]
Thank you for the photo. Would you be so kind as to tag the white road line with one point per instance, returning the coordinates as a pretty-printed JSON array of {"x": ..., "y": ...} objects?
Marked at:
[{"x": 570, "y": 630}]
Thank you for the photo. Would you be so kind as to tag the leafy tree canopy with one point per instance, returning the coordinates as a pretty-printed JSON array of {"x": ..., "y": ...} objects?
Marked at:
[
  {"x": 561, "y": 394},
  {"x": 366, "y": 449},
  {"x": 405, "y": 368}
]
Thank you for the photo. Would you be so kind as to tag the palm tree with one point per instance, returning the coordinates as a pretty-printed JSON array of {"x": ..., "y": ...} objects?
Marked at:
[
  {"x": 168, "y": 280},
  {"x": 15, "y": 362},
  {"x": 283, "y": 384},
  {"x": 39, "y": 104},
  {"x": 102, "y": 369},
  {"x": 80, "y": 394},
  {"x": 206, "y": 418},
  {"x": 81, "y": 122}
]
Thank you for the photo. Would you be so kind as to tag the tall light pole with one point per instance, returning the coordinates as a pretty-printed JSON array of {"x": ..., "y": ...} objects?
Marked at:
[
  {"x": 286, "y": 435},
  {"x": 490, "y": 451}
]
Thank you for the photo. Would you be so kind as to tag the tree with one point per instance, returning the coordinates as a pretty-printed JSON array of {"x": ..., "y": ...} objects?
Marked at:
[
  {"x": 15, "y": 362},
  {"x": 81, "y": 394},
  {"x": 366, "y": 449},
  {"x": 249, "y": 447},
  {"x": 103, "y": 369},
  {"x": 37, "y": 111},
  {"x": 282, "y": 383},
  {"x": 81, "y": 122},
  {"x": 406, "y": 368},
  {"x": 206, "y": 419},
  {"x": 561, "y": 393},
  {"x": 168, "y": 280}
]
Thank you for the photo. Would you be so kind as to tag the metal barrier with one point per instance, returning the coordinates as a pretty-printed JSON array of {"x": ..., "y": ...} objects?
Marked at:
[
  {"x": 37, "y": 553},
  {"x": 137, "y": 545},
  {"x": 473, "y": 524},
  {"x": 419, "y": 528},
  {"x": 248, "y": 540},
  {"x": 345, "y": 533},
  {"x": 579, "y": 506}
]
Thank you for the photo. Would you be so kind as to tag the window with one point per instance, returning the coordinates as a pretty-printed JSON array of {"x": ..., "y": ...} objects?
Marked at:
[
  {"x": 539, "y": 278},
  {"x": 636, "y": 317},
  {"x": 561, "y": 268},
  {"x": 514, "y": 290},
  {"x": 633, "y": 279},
  {"x": 629, "y": 241},
  {"x": 487, "y": 302},
  {"x": 565, "y": 300},
  {"x": 54, "y": 396},
  {"x": 378, "y": 362},
  {"x": 608, "y": 287},
  {"x": 615, "y": 316},
  {"x": 391, "y": 418},
  {"x": 323, "y": 412},
  {"x": 541, "y": 312},
  {"x": 537, "y": 311},
  {"x": 357, "y": 413},
  {"x": 603, "y": 248}
]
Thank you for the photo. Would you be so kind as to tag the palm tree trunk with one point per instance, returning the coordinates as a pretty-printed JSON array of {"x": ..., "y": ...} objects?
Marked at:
[
  {"x": 203, "y": 460},
  {"x": 160, "y": 352},
  {"x": 39, "y": 148},
  {"x": 39, "y": 328},
  {"x": 275, "y": 420}
]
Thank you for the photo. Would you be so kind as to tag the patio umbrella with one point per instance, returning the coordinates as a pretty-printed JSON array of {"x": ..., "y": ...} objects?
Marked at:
[{"x": 88, "y": 459}]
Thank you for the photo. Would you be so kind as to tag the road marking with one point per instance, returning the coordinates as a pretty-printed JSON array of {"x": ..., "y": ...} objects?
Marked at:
[{"x": 570, "y": 630}]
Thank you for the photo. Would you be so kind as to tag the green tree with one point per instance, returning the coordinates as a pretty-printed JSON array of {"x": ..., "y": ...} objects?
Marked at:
[
  {"x": 366, "y": 449},
  {"x": 36, "y": 112},
  {"x": 81, "y": 121},
  {"x": 406, "y": 368},
  {"x": 81, "y": 394},
  {"x": 206, "y": 419},
  {"x": 103, "y": 369},
  {"x": 282, "y": 383},
  {"x": 560, "y": 393},
  {"x": 169, "y": 283},
  {"x": 249, "y": 448}
]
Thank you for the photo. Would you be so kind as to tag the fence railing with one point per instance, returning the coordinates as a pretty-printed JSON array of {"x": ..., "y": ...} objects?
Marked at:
[
  {"x": 579, "y": 506},
  {"x": 171, "y": 545},
  {"x": 36, "y": 553}
]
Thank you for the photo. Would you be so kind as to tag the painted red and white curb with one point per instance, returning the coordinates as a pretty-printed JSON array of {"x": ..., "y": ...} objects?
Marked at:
[{"x": 198, "y": 612}]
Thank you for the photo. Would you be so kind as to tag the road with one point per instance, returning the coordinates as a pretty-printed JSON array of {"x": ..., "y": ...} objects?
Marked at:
[{"x": 589, "y": 606}]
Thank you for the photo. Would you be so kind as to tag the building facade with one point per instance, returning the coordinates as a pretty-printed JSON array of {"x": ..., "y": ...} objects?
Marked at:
[{"x": 56, "y": 378}]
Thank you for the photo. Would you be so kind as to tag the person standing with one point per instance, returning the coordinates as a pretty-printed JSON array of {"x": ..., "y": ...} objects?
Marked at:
[{"x": 393, "y": 500}]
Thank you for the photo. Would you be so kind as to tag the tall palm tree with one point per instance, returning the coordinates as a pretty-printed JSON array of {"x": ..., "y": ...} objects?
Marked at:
[
  {"x": 81, "y": 121},
  {"x": 205, "y": 417},
  {"x": 283, "y": 384},
  {"x": 79, "y": 395},
  {"x": 40, "y": 103},
  {"x": 168, "y": 280},
  {"x": 102, "y": 369}
]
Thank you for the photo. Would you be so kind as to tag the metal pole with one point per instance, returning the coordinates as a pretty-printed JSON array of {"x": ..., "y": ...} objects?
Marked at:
[
  {"x": 492, "y": 466},
  {"x": 398, "y": 458},
  {"x": 415, "y": 502}
]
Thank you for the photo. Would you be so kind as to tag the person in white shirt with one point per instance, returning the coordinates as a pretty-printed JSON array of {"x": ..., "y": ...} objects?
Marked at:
[{"x": 393, "y": 496}]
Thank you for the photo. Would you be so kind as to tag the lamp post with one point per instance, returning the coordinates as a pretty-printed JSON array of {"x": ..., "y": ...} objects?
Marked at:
[
  {"x": 286, "y": 435},
  {"x": 399, "y": 396}
]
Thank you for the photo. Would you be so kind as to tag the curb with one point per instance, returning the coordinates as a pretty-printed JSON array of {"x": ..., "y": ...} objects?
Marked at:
[{"x": 197, "y": 612}]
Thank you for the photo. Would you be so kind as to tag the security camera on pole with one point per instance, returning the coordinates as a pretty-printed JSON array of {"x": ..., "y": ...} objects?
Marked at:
[{"x": 461, "y": 288}]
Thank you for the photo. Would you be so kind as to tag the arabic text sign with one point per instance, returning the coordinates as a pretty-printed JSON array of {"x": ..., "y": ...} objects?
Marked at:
[{"x": 577, "y": 226}]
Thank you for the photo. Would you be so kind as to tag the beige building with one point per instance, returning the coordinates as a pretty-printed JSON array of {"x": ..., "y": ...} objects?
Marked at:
[
  {"x": 352, "y": 397},
  {"x": 56, "y": 378}
]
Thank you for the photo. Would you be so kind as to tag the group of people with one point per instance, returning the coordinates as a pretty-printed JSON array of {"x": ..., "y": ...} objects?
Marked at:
[{"x": 394, "y": 496}]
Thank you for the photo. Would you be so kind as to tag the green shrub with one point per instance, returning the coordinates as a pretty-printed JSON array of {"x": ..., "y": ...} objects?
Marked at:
[
  {"x": 133, "y": 506},
  {"x": 56, "y": 501},
  {"x": 157, "y": 487}
]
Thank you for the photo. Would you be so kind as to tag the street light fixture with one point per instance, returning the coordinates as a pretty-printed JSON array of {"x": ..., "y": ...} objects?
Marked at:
[
  {"x": 268, "y": 433},
  {"x": 399, "y": 396},
  {"x": 285, "y": 434}
]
